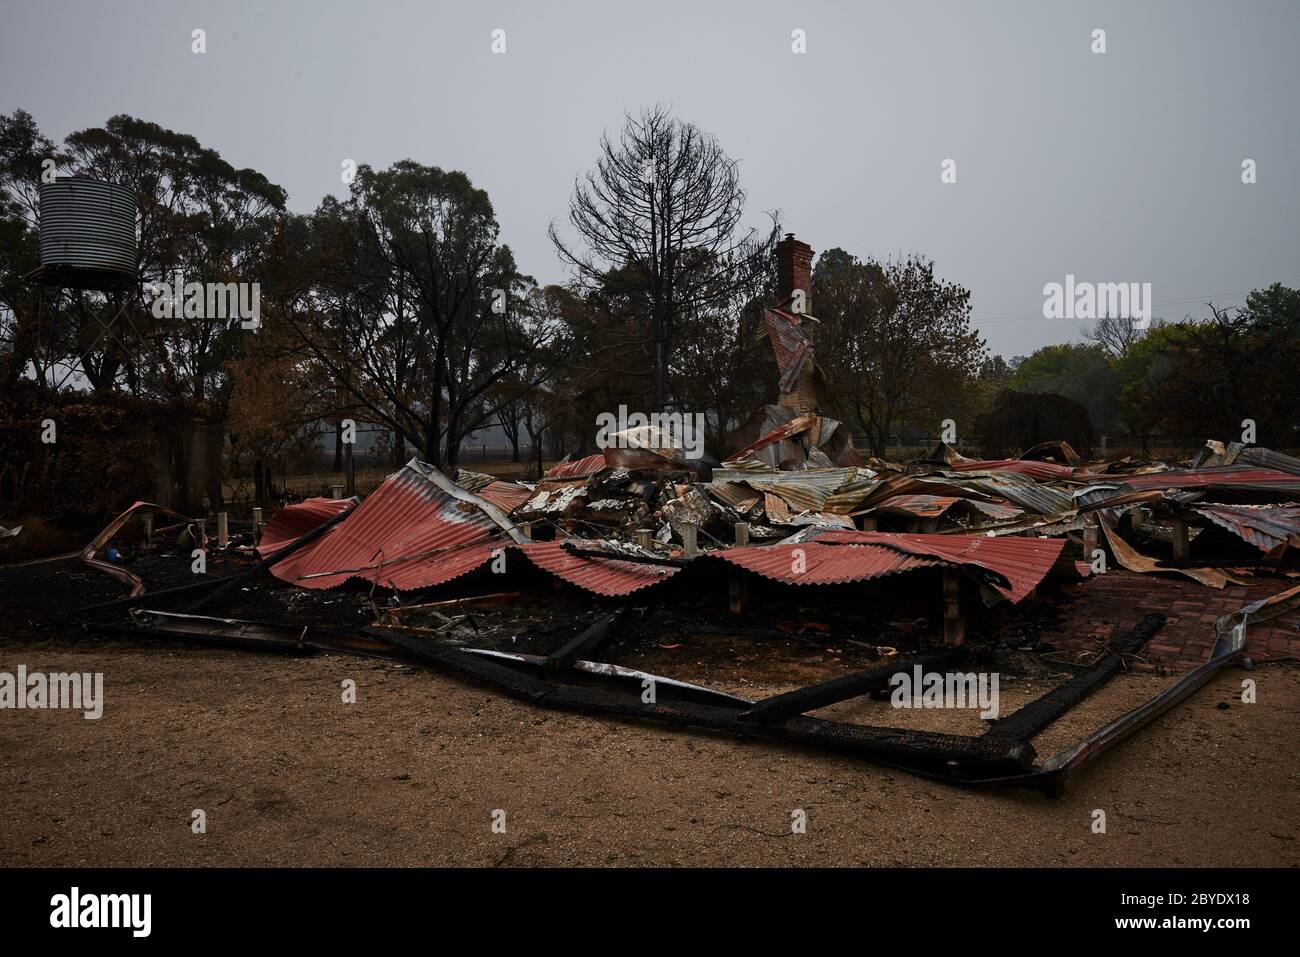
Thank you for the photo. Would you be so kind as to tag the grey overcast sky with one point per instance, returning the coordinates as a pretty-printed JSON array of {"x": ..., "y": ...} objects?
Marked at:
[{"x": 1122, "y": 166}]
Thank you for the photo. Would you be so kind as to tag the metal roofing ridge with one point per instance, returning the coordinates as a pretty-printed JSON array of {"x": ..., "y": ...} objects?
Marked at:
[
  {"x": 590, "y": 572},
  {"x": 376, "y": 576},
  {"x": 1258, "y": 519},
  {"x": 905, "y": 562},
  {"x": 939, "y": 547},
  {"x": 439, "y": 479}
]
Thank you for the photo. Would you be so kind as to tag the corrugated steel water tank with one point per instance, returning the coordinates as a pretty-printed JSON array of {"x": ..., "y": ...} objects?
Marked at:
[{"x": 88, "y": 224}]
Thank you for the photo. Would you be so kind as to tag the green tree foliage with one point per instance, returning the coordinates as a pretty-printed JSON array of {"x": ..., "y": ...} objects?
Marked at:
[
  {"x": 1020, "y": 420},
  {"x": 1081, "y": 373},
  {"x": 410, "y": 307},
  {"x": 22, "y": 148},
  {"x": 196, "y": 213},
  {"x": 1206, "y": 377},
  {"x": 896, "y": 344}
]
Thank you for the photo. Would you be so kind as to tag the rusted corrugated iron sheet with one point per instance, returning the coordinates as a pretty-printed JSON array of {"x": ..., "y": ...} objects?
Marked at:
[
  {"x": 809, "y": 490},
  {"x": 473, "y": 481},
  {"x": 1244, "y": 476},
  {"x": 934, "y": 506},
  {"x": 734, "y": 495},
  {"x": 599, "y": 575},
  {"x": 1265, "y": 528},
  {"x": 1014, "y": 487},
  {"x": 920, "y": 506},
  {"x": 1035, "y": 468},
  {"x": 506, "y": 496},
  {"x": 916, "y": 485},
  {"x": 790, "y": 342},
  {"x": 818, "y": 563},
  {"x": 1269, "y": 459},
  {"x": 1024, "y": 562},
  {"x": 845, "y": 499},
  {"x": 418, "y": 529},
  {"x": 756, "y": 474},
  {"x": 1038, "y": 471},
  {"x": 774, "y": 436},
  {"x": 583, "y": 468},
  {"x": 1002, "y": 513},
  {"x": 794, "y": 427},
  {"x": 1135, "y": 561},
  {"x": 837, "y": 557},
  {"x": 295, "y": 521}
]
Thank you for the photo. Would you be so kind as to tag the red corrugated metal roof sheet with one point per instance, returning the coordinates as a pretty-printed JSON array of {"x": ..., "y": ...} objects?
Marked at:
[
  {"x": 836, "y": 557},
  {"x": 1038, "y": 471},
  {"x": 295, "y": 521},
  {"x": 922, "y": 506},
  {"x": 817, "y": 563},
  {"x": 1265, "y": 528},
  {"x": 418, "y": 529},
  {"x": 1024, "y": 562},
  {"x": 583, "y": 468},
  {"x": 796, "y": 425},
  {"x": 1251, "y": 475},
  {"x": 599, "y": 575},
  {"x": 790, "y": 343},
  {"x": 411, "y": 533},
  {"x": 506, "y": 496}
]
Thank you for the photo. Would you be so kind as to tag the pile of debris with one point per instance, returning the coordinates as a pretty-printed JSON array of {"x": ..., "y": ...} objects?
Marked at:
[
  {"x": 670, "y": 511},
  {"x": 793, "y": 504}
]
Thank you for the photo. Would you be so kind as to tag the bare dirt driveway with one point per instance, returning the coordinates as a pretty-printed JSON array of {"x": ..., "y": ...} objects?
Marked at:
[{"x": 288, "y": 774}]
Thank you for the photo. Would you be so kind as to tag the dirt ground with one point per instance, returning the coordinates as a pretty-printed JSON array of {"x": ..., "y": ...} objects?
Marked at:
[{"x": 288, "y": 774}]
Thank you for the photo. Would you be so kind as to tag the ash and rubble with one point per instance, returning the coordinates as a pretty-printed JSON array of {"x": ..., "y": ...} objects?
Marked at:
[
  {"x": 1047, "y": 492},
  {"x": 857, "y": 568}
]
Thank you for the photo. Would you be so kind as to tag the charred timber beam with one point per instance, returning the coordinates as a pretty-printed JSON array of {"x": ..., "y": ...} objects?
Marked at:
[
  {"x": 926, "y": 752},
  {"x": 782, "y": 706},
  {"x": 160, "y": 595},
  {"x": 236, "y": 633},
  {"x": 590, "y": 639},
  {"x": 1028, "y": 721}
]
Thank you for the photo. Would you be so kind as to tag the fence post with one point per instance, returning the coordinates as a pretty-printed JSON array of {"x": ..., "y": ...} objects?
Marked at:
[
  {"x": 954, "y": 628},
  {"x": 257, "y": 526},
  {"x": 737, "y": 583},
  {"x": 349, "y": 472},
  {"x": 223, "y": 529},
  {"x": 1180, "y": 540}
]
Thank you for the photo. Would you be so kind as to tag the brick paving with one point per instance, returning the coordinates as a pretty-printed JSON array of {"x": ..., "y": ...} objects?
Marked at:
[{"x": 1095, "y": 610}]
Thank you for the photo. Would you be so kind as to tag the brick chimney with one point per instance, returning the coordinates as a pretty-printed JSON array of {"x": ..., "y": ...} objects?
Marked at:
[{"x": 793, "y": 271}]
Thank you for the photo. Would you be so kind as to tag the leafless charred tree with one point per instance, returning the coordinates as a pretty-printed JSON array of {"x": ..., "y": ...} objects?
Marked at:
[
  {"x": 658, "y": 221},
  {"x": 1116, "y": 334}
]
